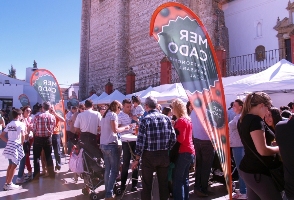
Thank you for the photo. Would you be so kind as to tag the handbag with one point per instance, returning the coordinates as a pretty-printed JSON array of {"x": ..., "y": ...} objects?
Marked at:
[{"x": 277, "y": 174}]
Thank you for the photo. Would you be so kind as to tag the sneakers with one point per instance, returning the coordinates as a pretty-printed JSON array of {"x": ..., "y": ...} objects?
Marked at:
[
  {"x": 20, "y": 180},
  {"x": 238, "y": 195},
  {"x": 28, "y": 176},
  {"x": 10, "y": 186}
]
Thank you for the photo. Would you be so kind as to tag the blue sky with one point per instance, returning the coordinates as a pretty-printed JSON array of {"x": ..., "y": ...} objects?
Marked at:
[{"x": 47, "y": 31}]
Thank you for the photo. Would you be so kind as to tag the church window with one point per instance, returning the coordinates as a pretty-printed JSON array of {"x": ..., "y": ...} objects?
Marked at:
[
  {"x": 260, "y": 53},
  {"x": 259, "y": 29}
]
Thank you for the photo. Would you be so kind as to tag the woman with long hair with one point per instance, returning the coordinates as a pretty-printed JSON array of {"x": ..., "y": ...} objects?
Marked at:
[
  {"x": 237, "y": 147},
  {"x": 109, "y": 144},
  {"x": 272, "y": 118},
  {"x": 186, "y": 154},
  {"x": 257, "y": 144}
]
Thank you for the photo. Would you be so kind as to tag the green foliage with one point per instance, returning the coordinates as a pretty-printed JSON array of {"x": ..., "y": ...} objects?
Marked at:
[{"x": 12, "y": 72}]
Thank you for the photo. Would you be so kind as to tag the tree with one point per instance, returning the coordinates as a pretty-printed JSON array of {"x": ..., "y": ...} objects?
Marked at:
[{"x": 12, "y": 72}]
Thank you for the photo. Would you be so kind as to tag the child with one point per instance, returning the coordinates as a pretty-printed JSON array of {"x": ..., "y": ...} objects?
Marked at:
[{"x": 13, "y": 150}]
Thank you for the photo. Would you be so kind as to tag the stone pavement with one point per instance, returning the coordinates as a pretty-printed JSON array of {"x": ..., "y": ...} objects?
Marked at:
[{"x": 64, "y": 187}]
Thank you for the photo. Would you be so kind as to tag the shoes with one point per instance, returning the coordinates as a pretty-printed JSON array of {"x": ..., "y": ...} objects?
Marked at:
[
  {"x": 20, "y": 180},
  {"x": 238, "y": 195},
  {"x": 28, "y": 176},
  {"x": 57, "y": 168},
  {"x": 134, "y": 189},
  {"x": 10, "y": 186},
  {"x": 200, "y": 194}
]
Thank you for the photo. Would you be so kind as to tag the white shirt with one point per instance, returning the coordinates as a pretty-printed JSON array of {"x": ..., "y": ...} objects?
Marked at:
[
  {"x": 139, "y": 110},
  {"x": 124, "y": 119},
  {"x": 15, "y": 130},
  {"x": 107, "y": 135},
  {"x": 235, "y": 140},
  {"x": 88, "y": 121},
  {"x": 67, "y": 118}
]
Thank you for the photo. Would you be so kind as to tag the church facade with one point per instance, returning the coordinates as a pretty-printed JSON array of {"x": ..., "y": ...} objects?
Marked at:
[{"x": 115, "y": 40}]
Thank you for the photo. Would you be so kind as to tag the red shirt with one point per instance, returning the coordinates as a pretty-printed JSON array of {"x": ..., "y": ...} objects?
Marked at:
[
  {"x": 44, "y": 124},
  {"x": 184, "y": 126}
]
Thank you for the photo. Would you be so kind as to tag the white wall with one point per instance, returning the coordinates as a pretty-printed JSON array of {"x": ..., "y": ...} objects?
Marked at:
[
  {"x": 18, "y": 87},
  {"x": 242, "y": 17},
  {"x": 12, "y": 91},
  {"x": 75, "y": 89}
]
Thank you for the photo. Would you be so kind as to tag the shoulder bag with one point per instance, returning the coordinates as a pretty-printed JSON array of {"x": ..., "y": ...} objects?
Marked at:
[{"x": 277, "y": 174}]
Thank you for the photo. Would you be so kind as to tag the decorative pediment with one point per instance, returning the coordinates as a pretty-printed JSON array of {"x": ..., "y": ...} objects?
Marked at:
[
  {"x": 281, "y": 23},
  {"x": 290, "y": 6}
]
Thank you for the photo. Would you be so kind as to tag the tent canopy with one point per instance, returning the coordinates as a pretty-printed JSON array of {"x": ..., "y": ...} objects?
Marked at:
[
  {"x": 116, "y": 95},
  {"x": 101, "y": 96},
  {"x": 175, "y": 91},
  {"x": 278, "y": 77},
  {"x": 94, "y": 96}
]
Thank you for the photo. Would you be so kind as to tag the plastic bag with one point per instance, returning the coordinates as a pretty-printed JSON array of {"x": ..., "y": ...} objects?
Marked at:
[{"x": 76, "y": 164}]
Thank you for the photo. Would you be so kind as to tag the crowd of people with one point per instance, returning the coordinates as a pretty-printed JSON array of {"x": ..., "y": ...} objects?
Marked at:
[{"x": 170, "y": 141}]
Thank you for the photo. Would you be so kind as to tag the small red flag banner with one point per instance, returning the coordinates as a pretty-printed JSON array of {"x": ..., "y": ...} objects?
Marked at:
[
  {"x": 186, "y": 43},
  {"x": 47, "y": 86}
]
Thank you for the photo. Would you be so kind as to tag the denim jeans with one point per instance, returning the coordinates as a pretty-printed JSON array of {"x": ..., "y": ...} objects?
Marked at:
[
  {"x": 46, "y": 144},
  {"x": 111, "y": 162},
  {"x": 56, "y": 149},
  {"x": 204, "y": 159},
  {"x": 155, "y": 161},
  {"x": 21, "y": 167},
  {"x": 238, "y": 153},
  {"x": 126, "y": 164},
  {"x": 181, "y": 176}
]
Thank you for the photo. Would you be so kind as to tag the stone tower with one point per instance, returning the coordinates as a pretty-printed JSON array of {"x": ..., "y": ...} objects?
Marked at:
[{"x": 115, "y": 39}]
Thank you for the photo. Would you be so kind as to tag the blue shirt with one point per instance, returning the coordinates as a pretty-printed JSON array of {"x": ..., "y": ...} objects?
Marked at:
[
  {"x": 155, "y": 133},
  {"x": 197, "y": 128}
]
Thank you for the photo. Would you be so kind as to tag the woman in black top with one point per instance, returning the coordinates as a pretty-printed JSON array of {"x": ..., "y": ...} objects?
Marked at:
[{"x": 257, "y": 138}]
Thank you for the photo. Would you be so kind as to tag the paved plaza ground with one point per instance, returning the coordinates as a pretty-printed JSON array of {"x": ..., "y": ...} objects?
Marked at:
[{"x": 64, "y": 187}]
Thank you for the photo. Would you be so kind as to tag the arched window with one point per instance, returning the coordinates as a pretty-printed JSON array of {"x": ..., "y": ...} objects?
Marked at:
[
  {"x": 259, "y": 53},
  {"x": 259, "y": 29}
]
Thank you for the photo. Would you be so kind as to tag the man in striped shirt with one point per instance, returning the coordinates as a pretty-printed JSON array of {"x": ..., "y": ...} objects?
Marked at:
[
  {"x": 43, "y": 128},
  {"x": 155, "y": 138},
  {"x": 124, "y": 118}
]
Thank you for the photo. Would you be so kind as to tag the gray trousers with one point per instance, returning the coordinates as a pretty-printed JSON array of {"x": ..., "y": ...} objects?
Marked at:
[{"x": 260, "y": 187}]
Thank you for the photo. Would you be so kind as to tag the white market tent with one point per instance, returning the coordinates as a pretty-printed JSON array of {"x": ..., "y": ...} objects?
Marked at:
[
  {"x": 144, "y": 92},
  {"x": 175, "y": 91},
  {"x": 152, "y": 93},
  {"x": 101, "y": 96},
  {"x": 277, "y": 81},
  {"x": 94, "y": 96},
  {"x": 116, "y": 95}
]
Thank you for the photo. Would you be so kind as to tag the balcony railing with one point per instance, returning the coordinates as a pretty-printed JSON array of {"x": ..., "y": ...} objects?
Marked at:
[{"x": 252, "y": 63}]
